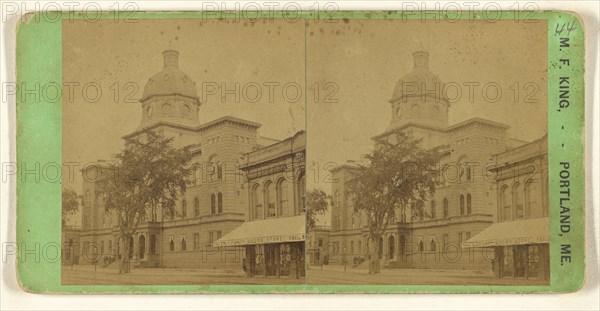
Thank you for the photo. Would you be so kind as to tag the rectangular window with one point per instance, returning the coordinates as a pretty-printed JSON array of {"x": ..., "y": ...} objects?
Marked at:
[
  {"x": 533, "y": 261},
  {"x": 351, "y": 247},
  {"x": 460, "y": 239},
  {"x": 218, "y": 235},
  {"x": 446, "y": 240},
  {"x": 110, "y": 249},
  {"x": 211, "y": 237}
]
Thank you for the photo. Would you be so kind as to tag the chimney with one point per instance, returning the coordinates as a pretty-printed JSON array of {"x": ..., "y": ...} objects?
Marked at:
[
  {"x": 171, "y": 58},
  {"x": 421, "y": 59}
]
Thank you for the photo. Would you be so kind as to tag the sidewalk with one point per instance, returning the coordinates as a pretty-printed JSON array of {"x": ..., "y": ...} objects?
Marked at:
[
  {"x": 85, "y": 275},
  {"x": 334, "y": 274}
]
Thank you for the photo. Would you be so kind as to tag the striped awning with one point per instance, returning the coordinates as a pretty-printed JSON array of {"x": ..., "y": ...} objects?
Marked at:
[
  {"x": 267, "y": 231},
  {"x": 518, "y": 232}
]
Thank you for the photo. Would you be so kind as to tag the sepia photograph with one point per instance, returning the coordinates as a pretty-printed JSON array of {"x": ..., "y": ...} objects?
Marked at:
[
  {"x": 186, "y": 139},
  {"x": 322, "y": 155},
  {"x": 430, "y": 165}
]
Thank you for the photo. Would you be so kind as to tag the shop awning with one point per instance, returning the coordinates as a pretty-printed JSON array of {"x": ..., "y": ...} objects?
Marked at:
[
  {"x": 275, "y": 230},
  {"x": 529, "y": 231}
]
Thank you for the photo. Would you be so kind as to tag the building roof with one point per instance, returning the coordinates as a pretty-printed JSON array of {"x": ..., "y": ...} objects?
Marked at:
[
  {"x": 277, "y": 150},
  {"x": 170, "y": 80},
  {"x": 202, "y": 127},
  {"x": 418, "y": 81},
  {"x": 474, "y": 121}
]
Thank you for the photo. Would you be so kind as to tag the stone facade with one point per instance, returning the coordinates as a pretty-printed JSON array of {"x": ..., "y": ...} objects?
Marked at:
[
  {"x": 522, "y": 203},
  {"x": 215, "y": 202},
  {"x": 276, "y": 179},
  {"x": 464, "y": 202}
]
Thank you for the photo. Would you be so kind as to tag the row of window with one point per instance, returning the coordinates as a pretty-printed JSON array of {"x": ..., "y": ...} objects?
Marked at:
[
  {"x": 464, "y": 208},
  {"x": 271, "y": 200},
  {"x": 216, "y": 205},
  {"x": 212, "y": 237},
  {"x": 431, "y": 244},
  {"x": 520, "y": 201}
]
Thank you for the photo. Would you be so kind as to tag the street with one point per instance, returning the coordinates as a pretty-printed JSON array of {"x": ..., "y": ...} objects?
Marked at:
[
  {"x": 335, "y": 275},
  {"x": 85, "y": 275}
]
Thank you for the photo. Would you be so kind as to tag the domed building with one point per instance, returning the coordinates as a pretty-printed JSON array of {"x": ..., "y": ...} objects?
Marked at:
[
  {"x": 465, "y": 201},
  {"x": 216, "y": 200},
  {"x": 419, "y": 96},
  {"x": 170, "y": 95}
]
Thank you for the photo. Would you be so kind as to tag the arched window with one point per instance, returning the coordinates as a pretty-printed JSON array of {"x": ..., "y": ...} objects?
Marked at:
[
  {"x": 446, "y": 211},
  {"x": 196, "y": 207},
  {"x": 142, "y": 246},
  {"x": 213, "y": 203},
  {"x": 469, "y": 204},
  {"x": 463, "y": 170},
  {"x": 257, "y": 200},
  {"x": 220, "y": 203},
  {"x": 504, "y": 204},
  {"x": 197, "y": 176},
  {"x": 302, "y": 194},
  {"x": 432, "y": 245},
  {"x": 462, "y": 204},
  {"x": 282, "y": 193},
  {"x": 391, "y": 247},
  {"x": 518, "y": 201},
  {"x": 531, "y": 208},
  {"x": 212, "y": 168},
  {"x": 219, "y": 170},
  {"x": 270, "y": 199},
  {"x": 171, "y": 245},
  {"x": 183, "y": 245},
  {"x": 433, "y": 209},
  {"x": 184, "y": 209},
  {"x": 152, "y": 244}
]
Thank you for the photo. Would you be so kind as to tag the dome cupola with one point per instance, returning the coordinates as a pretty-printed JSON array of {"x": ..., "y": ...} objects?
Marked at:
[
  {"x": 170, "y": 80},
  {"x": 419, "y": 96},
  {"x": 170, "y": 95}
]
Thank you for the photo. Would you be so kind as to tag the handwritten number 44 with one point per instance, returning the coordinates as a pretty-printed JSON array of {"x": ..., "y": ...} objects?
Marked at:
[{"x": 562, "y": 27}]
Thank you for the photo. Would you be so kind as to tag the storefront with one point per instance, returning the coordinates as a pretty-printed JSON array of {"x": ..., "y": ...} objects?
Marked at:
[
  {"x": 273, "y": 247},
  {"x": 521, "y": 248}
]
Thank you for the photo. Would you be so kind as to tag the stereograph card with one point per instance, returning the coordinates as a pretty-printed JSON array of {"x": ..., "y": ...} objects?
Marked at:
[{"x": 331, "y": 152}]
